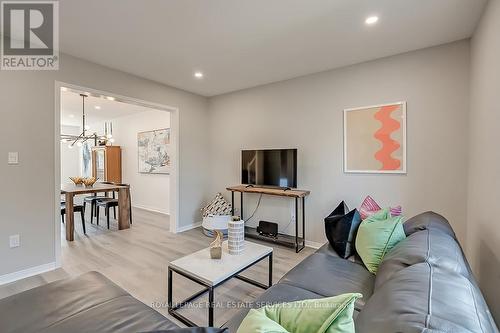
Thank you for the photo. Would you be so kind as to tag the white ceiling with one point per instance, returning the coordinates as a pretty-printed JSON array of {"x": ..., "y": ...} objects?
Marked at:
[
  {"x": 243, "y": 43},
  {"x": 71, "y": 109}
]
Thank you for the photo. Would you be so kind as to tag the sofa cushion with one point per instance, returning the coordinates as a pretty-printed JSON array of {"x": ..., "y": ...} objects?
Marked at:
[
  {"x": 340, "y": 229},
  {"x": 425, "y": 298},
  {"x": 428, "y": 220},
  {"x": 278, "y": 293},
  {"x": 369, "y": 207},
  {"x": 322, "y": 315},
  {"x": 328, "y": 276},
  {"x": 438, "y": 248},
  {"x": 377, "y": 235},
  {"x": 90, "y": 302}
]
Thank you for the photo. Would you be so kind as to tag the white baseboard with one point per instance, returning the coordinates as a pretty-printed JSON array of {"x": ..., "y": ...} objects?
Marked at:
[
  {"x": 188, "y": 227},
  {"x": 11, "y": 277},
  {"x": 150, "y": 209},
  {"x": 314, "y": 245}
]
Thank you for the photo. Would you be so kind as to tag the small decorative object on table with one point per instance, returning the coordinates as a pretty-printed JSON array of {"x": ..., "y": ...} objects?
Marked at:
[
  {"x": 216, "y": 245},
  {"x": 89, "y": 182},
  {"x": 77, "y": 180},
  {"x": 236, "y": 236}
]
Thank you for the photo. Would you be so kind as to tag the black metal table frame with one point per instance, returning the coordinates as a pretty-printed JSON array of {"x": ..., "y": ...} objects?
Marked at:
[
  {"x": 172, "y": 309},
  {"x": 298, "y": 247}
]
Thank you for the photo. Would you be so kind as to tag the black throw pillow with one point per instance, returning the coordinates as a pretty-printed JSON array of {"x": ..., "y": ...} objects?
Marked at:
[{"x": 341, "y": 227}]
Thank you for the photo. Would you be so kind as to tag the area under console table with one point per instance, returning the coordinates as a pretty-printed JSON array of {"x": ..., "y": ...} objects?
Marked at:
[{"x": 296, "y": 241}]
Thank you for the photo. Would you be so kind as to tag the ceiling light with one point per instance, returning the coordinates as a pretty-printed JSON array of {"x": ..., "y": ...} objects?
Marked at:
[
  {"x": 371, "y": 20},
  {"x": 64, "y": 89},
  {"x": 97, "y": 107},
  {"x": 109, "y": 98},
  {"x": 198, "y": 75}
]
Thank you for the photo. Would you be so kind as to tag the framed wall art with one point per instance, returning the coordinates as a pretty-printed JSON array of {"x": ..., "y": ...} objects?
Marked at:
[
  {"x": 375, "y": 139},
  {"x": 154, "y": 151}
]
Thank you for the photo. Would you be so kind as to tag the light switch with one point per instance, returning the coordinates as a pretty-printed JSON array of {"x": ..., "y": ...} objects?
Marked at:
[
  {"x": 13, "y": 157},
  {"x": 14, "y": 241}
]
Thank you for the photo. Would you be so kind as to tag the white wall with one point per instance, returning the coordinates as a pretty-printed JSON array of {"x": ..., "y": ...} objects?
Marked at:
[
  {"x": 70, "y": 157},
  {"x": 483, "y": 229},
  {"x": 148, "y": 191},
  {"x": 27, "y": 110},
  {"x": 306, "y": 113}
]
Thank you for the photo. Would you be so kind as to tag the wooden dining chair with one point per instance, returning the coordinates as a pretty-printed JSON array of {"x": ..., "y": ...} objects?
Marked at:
[
  {"x": 76, "y": 209},
  {"x": 108, "y": 203}
]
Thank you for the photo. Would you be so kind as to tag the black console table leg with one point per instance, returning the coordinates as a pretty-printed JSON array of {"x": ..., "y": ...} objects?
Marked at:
[
  {"x": 169, "y": 291},
  {"x": 241, "y": 206},
  {"x": 296, "y": 225},
  {"x": 232, "y": 203},
  {"x": 303, "y": 222}
]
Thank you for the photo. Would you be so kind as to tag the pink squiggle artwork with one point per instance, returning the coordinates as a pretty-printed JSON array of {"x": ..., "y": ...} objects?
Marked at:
[{"x": 389, "y": 126}]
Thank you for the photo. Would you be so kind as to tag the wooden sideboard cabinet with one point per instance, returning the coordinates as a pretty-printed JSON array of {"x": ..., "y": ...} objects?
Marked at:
[{"x": 107, "y": 164}]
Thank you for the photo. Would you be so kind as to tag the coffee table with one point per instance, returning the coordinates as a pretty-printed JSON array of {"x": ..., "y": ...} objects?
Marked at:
[{"x": 210, "y": 273}]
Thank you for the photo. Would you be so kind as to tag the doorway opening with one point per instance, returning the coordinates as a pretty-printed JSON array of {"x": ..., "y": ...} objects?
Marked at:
[{"x": 118, "y": 140}]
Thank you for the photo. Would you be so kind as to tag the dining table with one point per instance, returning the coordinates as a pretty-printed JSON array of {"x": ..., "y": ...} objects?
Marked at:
[{"x": 72, "y": 190}]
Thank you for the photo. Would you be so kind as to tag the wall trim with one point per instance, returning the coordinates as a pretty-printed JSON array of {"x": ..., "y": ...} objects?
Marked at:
[
  {"x": 150, "y": 209},
  {"x": 25, "y": 273},
  {"x": 314, "y": 245},
  {"x": 188, "y": 227}
]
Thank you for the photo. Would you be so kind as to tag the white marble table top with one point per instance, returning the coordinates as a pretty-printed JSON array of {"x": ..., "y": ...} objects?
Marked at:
[{"x": 213, "y": 271}]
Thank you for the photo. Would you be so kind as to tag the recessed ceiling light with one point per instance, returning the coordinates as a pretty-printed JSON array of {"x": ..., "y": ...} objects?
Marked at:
[
  {"x": 198, "y": 75},
  {"x": 72, "y": 116},
  {"x": 97, "y": 107},
  {"x": 109, "y": 98},
  {"x": 371, "y": 20},
  {"x": 64, "y": 89}
]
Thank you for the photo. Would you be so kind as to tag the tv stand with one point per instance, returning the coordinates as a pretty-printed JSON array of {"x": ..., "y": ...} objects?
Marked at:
[{"x": 296, "y": 241}]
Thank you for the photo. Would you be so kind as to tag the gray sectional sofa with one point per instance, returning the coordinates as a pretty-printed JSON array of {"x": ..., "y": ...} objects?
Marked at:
[
  {"x": 424, "y": 284},
  {"x": 87, "y": 303}
]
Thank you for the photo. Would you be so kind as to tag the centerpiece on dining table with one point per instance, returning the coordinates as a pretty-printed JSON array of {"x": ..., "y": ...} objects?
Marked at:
[{"x": 88, "y": 182}]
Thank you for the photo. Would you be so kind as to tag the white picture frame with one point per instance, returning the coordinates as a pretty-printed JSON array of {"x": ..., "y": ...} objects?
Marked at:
[{"x": 365, "y": 152}]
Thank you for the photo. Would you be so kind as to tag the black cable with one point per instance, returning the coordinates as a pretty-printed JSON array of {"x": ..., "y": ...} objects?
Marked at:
[{"x": 255, "y": 210}]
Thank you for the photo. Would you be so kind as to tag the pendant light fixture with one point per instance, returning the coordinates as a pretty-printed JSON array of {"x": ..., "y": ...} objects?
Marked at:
[{"x": 79, "y": 140}]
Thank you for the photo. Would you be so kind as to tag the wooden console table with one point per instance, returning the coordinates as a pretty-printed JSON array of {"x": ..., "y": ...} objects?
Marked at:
[{"x": 296, "y": 241}]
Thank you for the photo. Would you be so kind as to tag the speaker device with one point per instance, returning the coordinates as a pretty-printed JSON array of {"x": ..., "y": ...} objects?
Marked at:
[{"x": 269, "y": 229}]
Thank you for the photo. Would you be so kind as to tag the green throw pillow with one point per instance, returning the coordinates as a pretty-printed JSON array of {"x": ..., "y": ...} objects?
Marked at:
[
  {"x": 377, "y": 235},
  {"x": 324, "y": 315}
]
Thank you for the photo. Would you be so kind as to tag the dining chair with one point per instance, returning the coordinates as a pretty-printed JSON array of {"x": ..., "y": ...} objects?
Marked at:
[
  {"x": 108, "y": 203},
  {"x": 92, "y": 199},
  {"x": 76, "y": 209}
]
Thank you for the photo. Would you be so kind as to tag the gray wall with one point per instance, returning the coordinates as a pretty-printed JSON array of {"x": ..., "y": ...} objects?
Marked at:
[
  {"x": 484, "y": 181},
  {"x": 27, "y": 114},
  {"x": 306, "y": 113}
]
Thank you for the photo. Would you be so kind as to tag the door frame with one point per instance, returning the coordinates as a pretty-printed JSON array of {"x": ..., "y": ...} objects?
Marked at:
[{"x": 174, "y": 136}]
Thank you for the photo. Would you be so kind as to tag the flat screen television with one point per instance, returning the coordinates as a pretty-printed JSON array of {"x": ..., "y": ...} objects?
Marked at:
[{"x": 269, "y": 167}]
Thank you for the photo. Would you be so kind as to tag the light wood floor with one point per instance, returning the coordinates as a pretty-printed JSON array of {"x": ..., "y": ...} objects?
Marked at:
[{"x": 136, "y": 259}]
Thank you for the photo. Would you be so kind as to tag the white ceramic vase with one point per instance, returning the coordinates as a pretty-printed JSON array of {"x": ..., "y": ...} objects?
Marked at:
[{"x": 236, "y": 237}]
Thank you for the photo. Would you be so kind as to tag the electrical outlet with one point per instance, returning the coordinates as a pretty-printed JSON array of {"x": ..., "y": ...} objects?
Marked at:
[
  {"x": 13, "y": 158},
  {"x": 14, "y": 241}
]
